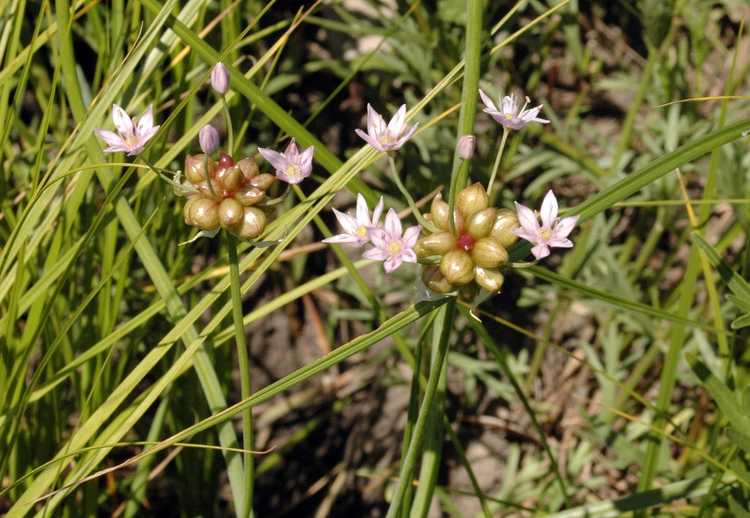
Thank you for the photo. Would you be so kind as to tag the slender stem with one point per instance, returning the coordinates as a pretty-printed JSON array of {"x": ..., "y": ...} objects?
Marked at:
[
  {"x": 230, "y": 129},
  {"x": 498, "y": 159},
  {"x": 412, "y": 205},
  {"x": 410, "y": 461},
  {"x": 244, "y": 365}
]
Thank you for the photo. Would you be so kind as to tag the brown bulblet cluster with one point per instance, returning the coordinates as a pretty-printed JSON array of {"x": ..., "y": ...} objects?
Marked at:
[
  {"x": 227, "y": 195},
  {"x": 474, "y": 251}
]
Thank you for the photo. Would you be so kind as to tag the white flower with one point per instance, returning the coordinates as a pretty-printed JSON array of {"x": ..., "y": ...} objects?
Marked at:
[
  {"x": 131, "y": 137},
  {"x": 390, "y": 246},
  {"x": 510, "y": 115},
  {"x": 357, "y": 229},
  {"x": 553, "y": 232},
  {"x": 291, "y": 165},
  {"x": 387, "y": 137}
]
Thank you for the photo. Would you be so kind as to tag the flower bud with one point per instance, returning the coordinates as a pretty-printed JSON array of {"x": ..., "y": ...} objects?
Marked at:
[
  {"x": 435, "y": 281},
  {"x": 490, "y": 280},
  {"x": 480, "y": 224},
  {"x": 250, "y": 196},
  {"x": 465, "y": 146},
  {"x": 253, "y": 223},
  {"x": 505, "y": 223},
  {"x": 230, "y": 212},
  {"x": 232, "y": 179},
  {"x": 457, "y": 267},
  {"x": 225, "y": 161},
  {"x": 488, "y": 253},
  {"x": 204, "y": 214},
  {"x": 220, "y": 78},
  {"x": 439, "y": 211},
  {"x": 188, "y": 207},
  {"x": 195, "y": 168},
  {"x": 472, "y": 199},
  {"x": 439, "y": 242},
  {"x": 208, "y": 137},
  {"x": 263, "y": 181},
  {"x": 249, "y": 167},
  {"x": 421, "y": 251}
]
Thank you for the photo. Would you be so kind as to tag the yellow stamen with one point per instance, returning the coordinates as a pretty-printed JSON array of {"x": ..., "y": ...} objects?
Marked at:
[
  {"x": 362, "y": 231},
  {"x": 394, "y": 247}
]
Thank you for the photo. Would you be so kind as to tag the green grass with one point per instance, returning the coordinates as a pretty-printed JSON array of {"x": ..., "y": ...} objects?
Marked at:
[{"x": 608, "y": 379}]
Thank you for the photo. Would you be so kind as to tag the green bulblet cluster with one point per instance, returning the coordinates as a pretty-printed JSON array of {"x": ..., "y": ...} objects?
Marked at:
[
  {"x": 471, "y": 254},
  {"x": 226, "y": 195}
]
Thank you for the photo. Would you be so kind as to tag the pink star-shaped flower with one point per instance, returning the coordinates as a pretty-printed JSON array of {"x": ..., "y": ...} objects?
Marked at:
[
  {"x": 391, "y": 246},
  {"x": 553, "y": 233},
  {"x": 357, "y": 229},
  {"x": 131, "y": 136}
]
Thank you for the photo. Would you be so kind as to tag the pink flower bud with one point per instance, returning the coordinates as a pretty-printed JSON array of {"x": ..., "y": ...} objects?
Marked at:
[
  {"x": 466, "y": 146},
  {"x": 208, "y": 138},
  {"x": 220, "y": 78}
]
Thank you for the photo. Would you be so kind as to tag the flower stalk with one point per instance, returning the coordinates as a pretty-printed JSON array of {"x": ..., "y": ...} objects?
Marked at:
[
  {"x": 498, "y": 159},
  {"x": 244, "y": 367},
  {"x": 408, "y": 197}
]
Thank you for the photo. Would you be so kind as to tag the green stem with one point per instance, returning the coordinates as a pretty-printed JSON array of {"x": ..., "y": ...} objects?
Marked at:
[
  {"x": 409, "y": 200},
  {"x": 244, "y": 366},
  {"x": 410, "y": 461},
  {"x": 498, "y": 159},
  {"x": 230, "y": 129}
]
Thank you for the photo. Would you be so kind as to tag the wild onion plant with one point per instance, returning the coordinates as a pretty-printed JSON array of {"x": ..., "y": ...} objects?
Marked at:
[{"x": 472, "y": 304}]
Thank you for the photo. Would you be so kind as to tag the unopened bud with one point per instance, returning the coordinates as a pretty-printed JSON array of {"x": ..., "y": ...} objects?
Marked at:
[
  {"x": 232, "y": 178},
  {"x": 439, "y": 242},
  {"x": 204, "y": 213},
  {"x": 209, "y": 139},
  {"x": 457, "y": 267},
  {"x": 195, "y": 168},
  {"x": 186, "y": 210},
  {"x": 505, "y": 223},
  {"x": 490, "y": 280},
  {"x": 253, "y": 223},
  {"x": 480, "y": 224},
  {"x": 250, "y": 196},
  {"x": 249, "y": 167},
  {"x": 435, "y": 281},
  {"x": 472, "y": 199},
  {"x": 230, "y": 212},
  {"x": 220, "y": 78},
  {"x": 440, "y": 211},
  {"x": 465, "y": 146},
  {"x": 488, "y": 253},
  {"x": 263, "y": 181}
]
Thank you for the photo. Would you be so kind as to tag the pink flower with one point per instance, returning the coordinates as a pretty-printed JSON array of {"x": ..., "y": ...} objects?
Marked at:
[
  {"x": 387, "y": 137},
  {"x": 510, "y": 115},
  {"x": 220, "y": 78},
  {"x": 553, "y": 232},
  {"x": 357, "y": 229},
  {"x": 390, "y": 246},
  {"x": 131, "y": 137},
  {"x": 291, "y": 165}
]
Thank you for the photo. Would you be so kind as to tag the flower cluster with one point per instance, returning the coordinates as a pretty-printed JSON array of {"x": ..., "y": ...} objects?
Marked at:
[
  {"x": 390, "y": 243},
  {"x": 473, "y": 248},
  {"x": 226, "y": 194}
]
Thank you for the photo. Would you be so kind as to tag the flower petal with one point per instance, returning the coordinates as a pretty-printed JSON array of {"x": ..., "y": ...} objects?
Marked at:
[
  {"x": 110, "y": 137},
  {"x": 146, "y": 122},
  {"x": 348, "y": 223},
  {"x": 564, "y": 226},
  {"x": 527, "y": 219},
  {"x": 291, "y": 152},
  {"x": 342, "y": 239},
  {"x": 540, "y": 251},
  {"x": 392, "y": 224},
  {"x": 396, "y": 125},
  {"x": 528, "y": 236},
  {"x": 376, "y": 253},
  {"x": 377, "y": 212},
  {"x": 408, "y": 256},
  {"x": 122, "y": 120},
  {"x": 363, "y": 213},
  {"x": 487, "y": 100},
  {"x": 411, "y": 236},
  {"x": 392, "y": 263},
  {"x": 560, "y": 242},
  {"x": 370, "y": 140},
  {"x": 549, "y": 209},
  {"x": 276, "y": 159},
  {"x": 375, "y": 123},
  {"x": 378, "y": 238}
]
